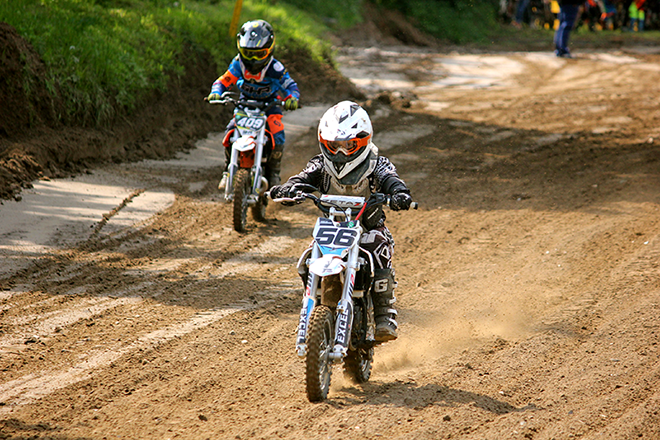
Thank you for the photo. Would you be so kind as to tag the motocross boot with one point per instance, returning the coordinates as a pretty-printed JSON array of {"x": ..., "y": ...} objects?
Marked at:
[
  {"x": 384, "y": 311},
  {"x": 225, "y": 173},
  {"x": 274, "y": 165}
]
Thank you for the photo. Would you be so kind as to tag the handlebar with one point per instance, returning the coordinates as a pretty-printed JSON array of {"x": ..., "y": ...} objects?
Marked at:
[
  {"x": 305, "y": 193},
  {"x": 229, "y": 99}
]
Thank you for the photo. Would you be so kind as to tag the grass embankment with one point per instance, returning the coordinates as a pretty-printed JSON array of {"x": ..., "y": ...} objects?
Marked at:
[{"x": 105, "y": 57}]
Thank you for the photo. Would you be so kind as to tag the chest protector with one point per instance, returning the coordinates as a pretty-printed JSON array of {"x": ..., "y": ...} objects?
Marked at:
[{"x": 358, "y": 183}]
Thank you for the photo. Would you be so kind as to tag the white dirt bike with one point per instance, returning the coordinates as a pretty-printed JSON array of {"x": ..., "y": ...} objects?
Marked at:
[
  {"x": 337, "y": 316},
  {"x": 246, "y": 183}
]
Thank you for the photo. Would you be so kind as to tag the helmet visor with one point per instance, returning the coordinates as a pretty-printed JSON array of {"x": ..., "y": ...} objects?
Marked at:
[
  {"x": 254, "y": 54},
  {"x": 349, "y": 147}
]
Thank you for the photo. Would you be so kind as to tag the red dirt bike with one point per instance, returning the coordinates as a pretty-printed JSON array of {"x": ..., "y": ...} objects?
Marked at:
[{"x": 246, "y": 183}]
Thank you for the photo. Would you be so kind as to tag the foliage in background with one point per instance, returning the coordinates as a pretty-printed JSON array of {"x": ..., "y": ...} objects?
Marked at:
[
  {"x": 337, "y": 14},
  {"x": 458, "y": 21},
  {"x": 106, "y": 56}
]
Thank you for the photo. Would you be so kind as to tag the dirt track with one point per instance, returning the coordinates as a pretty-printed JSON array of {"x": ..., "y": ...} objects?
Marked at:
[{"x": 529, "y": 282}]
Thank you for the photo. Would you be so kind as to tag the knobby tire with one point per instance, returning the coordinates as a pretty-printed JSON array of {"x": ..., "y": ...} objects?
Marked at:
[
  {"x": 319, "y": 344},
  {"x": 241, "y": 192}
]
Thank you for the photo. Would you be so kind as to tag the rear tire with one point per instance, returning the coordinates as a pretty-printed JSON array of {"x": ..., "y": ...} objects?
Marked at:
[
  {"x": 319, "y": 345},
  {"x": 357, "y": 364},
  {"x": 241, "y": 192}
]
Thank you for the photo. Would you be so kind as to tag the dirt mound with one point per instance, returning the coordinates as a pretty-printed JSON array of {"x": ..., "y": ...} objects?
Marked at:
[
  {"x": 33, "y": 142},
  {"x": 384, "y": 27},
  {"x": 22, "y": 69}
]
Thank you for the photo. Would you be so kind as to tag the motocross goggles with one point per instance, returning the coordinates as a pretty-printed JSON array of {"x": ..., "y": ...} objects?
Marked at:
[
  {"x": 255, "y": 54},
  {"x": 348, "y": 147}
]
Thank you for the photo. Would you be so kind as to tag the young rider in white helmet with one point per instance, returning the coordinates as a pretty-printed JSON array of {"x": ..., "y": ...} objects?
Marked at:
[{"x": 349, "y": 164}]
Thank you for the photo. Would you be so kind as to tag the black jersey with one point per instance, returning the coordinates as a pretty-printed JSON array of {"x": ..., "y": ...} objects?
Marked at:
[{"x": 379, "y": 177}]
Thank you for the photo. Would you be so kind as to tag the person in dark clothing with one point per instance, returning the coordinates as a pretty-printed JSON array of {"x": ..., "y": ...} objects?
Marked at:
[
  {"x": 349, "y": 164},
  {"x": 520, "y": 13},
  {"x": 568, "y": 12}
]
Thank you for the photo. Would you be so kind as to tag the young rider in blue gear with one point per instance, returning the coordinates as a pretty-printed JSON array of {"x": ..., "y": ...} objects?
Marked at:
[
  {"x": 349, "y": 164},
  {"x": 261, "y": 77}
]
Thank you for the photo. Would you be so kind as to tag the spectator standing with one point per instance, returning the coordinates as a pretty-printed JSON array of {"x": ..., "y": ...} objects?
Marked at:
[
  {"x": 520, "y": 13},
  {"x": 608, "y": 14},
  {"x": 637, "y": 15},
  {"x": 591, "y": 14},
  {"x": 568, "y": 12}
]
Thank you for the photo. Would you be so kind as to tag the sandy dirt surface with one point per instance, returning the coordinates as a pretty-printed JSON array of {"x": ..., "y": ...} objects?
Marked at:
[{"x": 529, "y": 280}]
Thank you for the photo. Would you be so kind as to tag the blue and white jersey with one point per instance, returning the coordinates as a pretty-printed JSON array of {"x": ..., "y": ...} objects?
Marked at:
[{"x": 272, "y": 80}]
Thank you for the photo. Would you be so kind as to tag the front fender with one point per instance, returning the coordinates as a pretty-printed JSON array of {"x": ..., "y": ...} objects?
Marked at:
[
  {"x": 327, "y": 265},
  {"x": 244, "y": 143}
]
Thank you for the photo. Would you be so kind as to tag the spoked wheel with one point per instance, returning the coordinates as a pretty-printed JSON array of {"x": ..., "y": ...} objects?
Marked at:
[
  {"x": 259, "y": 210},
  {"x": 357, "y": 364},
  {"x": 241, "y": 192},
  {"x": 319, "y": 346}
]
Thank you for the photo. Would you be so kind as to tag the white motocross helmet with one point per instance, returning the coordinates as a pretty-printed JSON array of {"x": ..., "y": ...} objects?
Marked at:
[{"x": 345, "y": 134}]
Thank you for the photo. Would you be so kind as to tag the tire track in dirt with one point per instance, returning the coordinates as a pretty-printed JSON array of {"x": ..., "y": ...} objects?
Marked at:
[
  {"x": 528, "y": 300},
  {"x": 37, "y": 326},
  {"x": 52, "y": 320},
  {"x": 29, "y": 388}
]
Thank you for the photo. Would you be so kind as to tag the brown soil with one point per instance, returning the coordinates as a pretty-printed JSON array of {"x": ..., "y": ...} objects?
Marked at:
[{"x": 529, "y": 291}]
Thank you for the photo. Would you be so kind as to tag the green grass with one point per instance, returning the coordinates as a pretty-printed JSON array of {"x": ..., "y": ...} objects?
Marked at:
[
  {"x": 337, "y": 14},
  {"x": 107, "y": 56},
  {"x": 474, "y": 24}
]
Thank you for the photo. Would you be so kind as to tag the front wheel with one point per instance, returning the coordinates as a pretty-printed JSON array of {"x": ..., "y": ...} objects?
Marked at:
[
  {"x": 241, "y": 191},
  {"x": 319, "y": 345}
]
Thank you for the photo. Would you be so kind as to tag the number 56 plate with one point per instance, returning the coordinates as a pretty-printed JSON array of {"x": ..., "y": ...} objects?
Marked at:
[{"x": 326, "y": 234}]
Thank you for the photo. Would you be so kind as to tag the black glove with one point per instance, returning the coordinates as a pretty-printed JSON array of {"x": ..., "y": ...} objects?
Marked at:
[
  {"x": 400, "y": 201},
  {"x": 279, "y": 192}
]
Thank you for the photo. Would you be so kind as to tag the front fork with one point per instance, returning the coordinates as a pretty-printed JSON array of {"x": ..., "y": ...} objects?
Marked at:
[
  {"x": 309, "y": 302},
  {"x": 344, "y": 322},
  {"x": 344, "y": 316}
]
